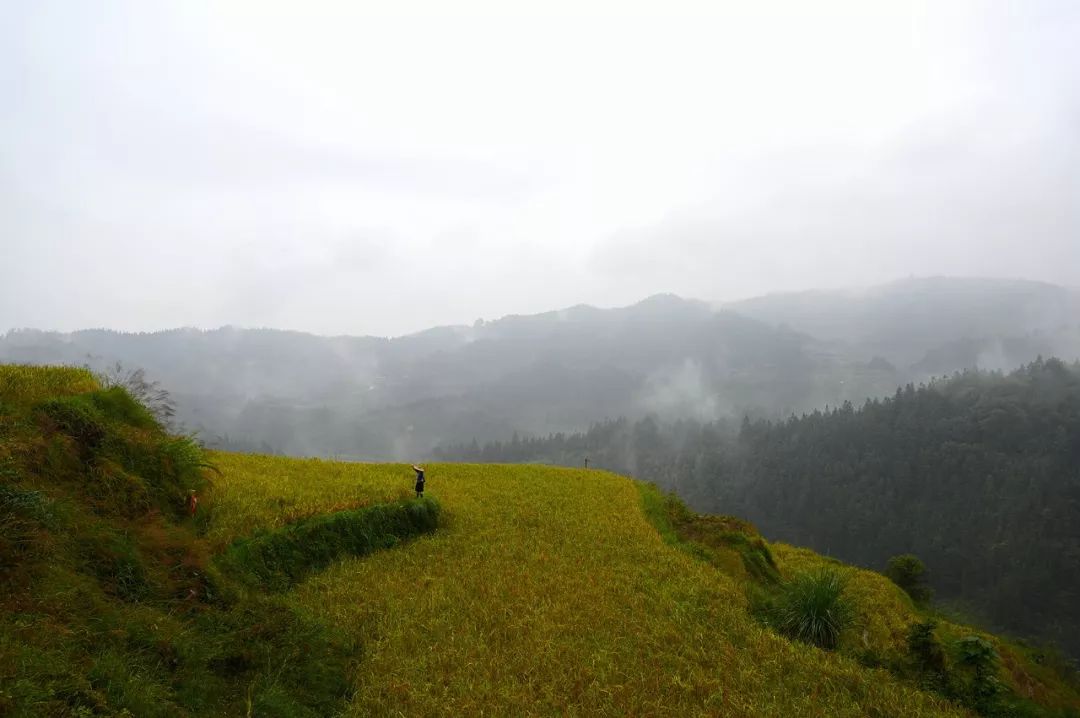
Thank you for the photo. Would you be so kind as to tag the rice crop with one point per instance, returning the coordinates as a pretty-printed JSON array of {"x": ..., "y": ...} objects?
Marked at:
[
  {"x": 22, "y": 384},
  {"x": 252, "y": 492},
  {"x": 545, "y": 591}
]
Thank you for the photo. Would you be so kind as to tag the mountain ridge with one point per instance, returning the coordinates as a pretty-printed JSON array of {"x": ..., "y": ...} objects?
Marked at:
[{"x": 371, "y": 397}]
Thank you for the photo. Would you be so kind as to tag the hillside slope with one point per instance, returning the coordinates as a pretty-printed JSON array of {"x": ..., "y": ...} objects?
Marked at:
[
  {"x": 976, "y": 474},
  {"x": 112, "y": 600},
  {"x": 562, "y": 591},
  {"x": 541, "y": 591}
]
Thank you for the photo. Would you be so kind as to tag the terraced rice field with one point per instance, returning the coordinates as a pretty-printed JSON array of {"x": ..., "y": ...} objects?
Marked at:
[{"x": 545, "y": 592}]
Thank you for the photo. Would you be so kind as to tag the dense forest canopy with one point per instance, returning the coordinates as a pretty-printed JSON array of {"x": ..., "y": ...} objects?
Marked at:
[{"x": 977, "y": 473}]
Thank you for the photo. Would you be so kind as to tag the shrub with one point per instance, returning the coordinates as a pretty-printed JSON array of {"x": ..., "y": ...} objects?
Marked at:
[
  {"x": 812, "y": 608},
  {"x": 909, "y": 573},
  {"x": 928, "y": 655},
  {"x": 980, "y": 688}
]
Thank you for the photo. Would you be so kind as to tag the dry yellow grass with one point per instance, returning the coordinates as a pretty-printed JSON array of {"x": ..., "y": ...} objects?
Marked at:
[{"x": 545, "y": 593}]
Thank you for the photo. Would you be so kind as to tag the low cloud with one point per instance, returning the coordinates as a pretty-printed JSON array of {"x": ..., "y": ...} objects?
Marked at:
[
  {"x": 680, "y": 391},
  {"x": 932, "y": 205},
  {"x": 345, "y": 172}
]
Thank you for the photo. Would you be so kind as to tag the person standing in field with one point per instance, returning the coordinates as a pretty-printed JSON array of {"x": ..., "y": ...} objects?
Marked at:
[
  {"x": 192, "y": 503},
  {"x": 419, "y": 480}
]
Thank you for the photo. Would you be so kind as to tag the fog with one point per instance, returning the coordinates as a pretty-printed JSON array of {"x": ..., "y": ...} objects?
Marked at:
[{"x": 341, "y": 168}]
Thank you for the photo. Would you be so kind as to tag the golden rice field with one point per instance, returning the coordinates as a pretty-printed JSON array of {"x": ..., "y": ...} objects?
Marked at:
[
  {"x": 21, "y": 384},
  {"x": 545, "y": 592},
  {"x": 254, "y": 491}
]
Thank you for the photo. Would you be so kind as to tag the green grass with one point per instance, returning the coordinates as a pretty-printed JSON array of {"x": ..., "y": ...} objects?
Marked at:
[
  {"x": 281, "y": 558},
  {"x": 113, "y": 603},
  {"x": 729, "y": 543},
  {"x": 812, "y": 608},
  {"x": 1035, "y": 681},
  {"x": 885, "y": 616}
]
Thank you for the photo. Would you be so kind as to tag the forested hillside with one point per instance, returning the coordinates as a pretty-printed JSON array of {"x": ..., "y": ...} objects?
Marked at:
[
  {"x": 978, "y": 474},
  {"x": 373, "y": 398},
  {"x": 377, "y": 398}
]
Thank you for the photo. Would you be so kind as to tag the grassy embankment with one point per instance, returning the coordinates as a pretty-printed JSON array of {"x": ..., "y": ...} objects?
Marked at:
[
  {"x": 113, "y": 601},
  {"x": 1014, "y": 679}
]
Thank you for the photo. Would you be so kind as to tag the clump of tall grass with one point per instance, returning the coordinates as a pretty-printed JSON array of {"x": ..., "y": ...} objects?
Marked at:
[
  {"x": 812, "y": 607},
  {"x": 149, "y": 394}
]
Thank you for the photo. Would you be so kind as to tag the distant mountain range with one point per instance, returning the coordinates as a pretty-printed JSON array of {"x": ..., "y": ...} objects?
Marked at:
[
  {"x": 936, "y": 324},
  {"x": 377, "y": 398}
]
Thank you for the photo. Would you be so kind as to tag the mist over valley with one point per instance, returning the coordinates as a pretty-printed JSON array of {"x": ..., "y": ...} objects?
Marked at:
[{"x": 369, "y": 398}]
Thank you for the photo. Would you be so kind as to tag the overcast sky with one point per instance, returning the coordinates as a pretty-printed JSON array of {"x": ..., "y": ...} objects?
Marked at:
[{"x": 338, "y": 169}]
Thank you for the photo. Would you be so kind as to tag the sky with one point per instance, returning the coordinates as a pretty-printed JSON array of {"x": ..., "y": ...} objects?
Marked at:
[{"x": 379, "y": 168}]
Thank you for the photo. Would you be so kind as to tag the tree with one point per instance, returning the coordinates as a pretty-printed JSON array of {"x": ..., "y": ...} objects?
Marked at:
[{"x": 909, "y": 573}]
